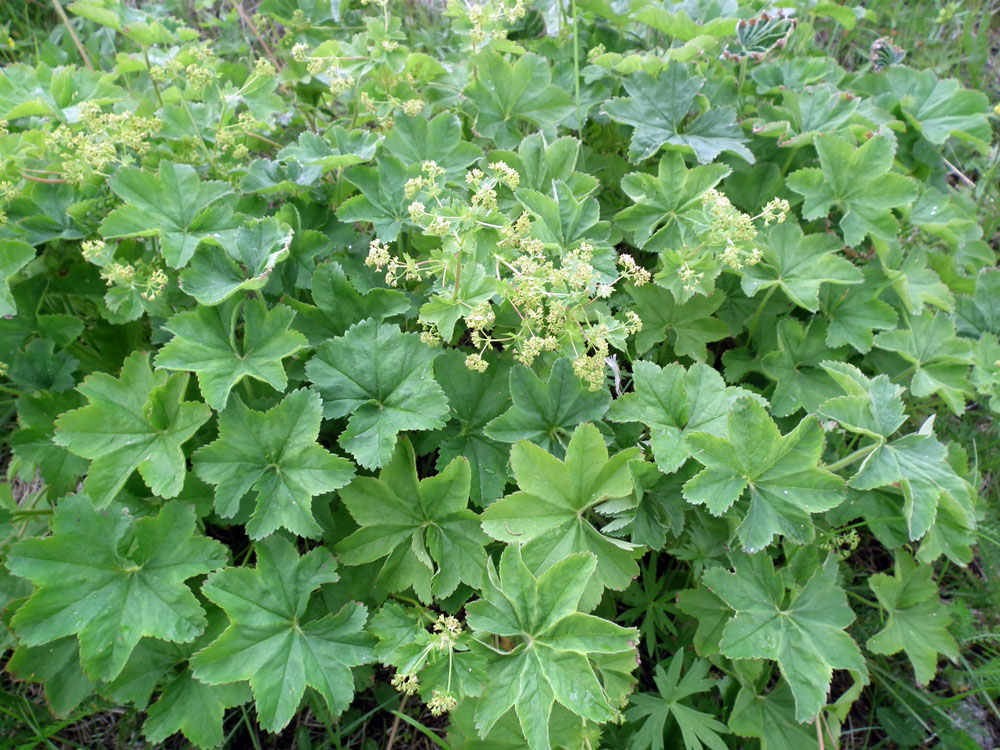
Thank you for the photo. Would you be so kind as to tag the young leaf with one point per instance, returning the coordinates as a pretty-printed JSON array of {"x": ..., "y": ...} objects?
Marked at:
[
  {"x": 657, "y": 108},
  {"x": 506, "y": 94},
  {"x": 937, "y": 109},
  {"x": 275, "y": 454},
  {"x": 112, "y": 579},
  {"x": 918, "y": 621},
  {"x": 243, "y": 262},
  {"x": 552, "y": 659},
  {"x": 918, "y": 463},
  {"x": 673, "y": 402},
  {"x": 174, "y": 204},
  {"x": 803, "y": 630},
  {"x": 425, "y": 527},
  {"x": 798, "y": 265},
  {"x": 698, "y": 729},
  {"x": 272, "y": 641},
  {"x": 136, "y": 421},
  {"x": 940, "y": 360},
  {"x": 550, "y": 513},
  {"x": 781, "y": 472},
  {"x": 14, "y": 256},
  {"x": 857, "y": 182},
  {"x": 382, "y": 378},
  {"x": 475, "y": 399},
  {"x": 339, "y": 148},
  {"x": 871, "y": 406},
  {"x": 544, "y": 412},
  {"x": 205, "y": 342}
]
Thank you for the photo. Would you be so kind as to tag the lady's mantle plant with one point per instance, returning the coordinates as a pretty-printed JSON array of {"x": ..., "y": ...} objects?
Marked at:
[{"x": 551, "y": 365}]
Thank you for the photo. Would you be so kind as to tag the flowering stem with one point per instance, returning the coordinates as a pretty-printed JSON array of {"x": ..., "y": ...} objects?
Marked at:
[{"x": 76, "y": 40}]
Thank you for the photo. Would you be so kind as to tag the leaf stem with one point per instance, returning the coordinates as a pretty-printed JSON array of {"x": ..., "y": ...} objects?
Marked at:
[{"x": 853, "y": 457}]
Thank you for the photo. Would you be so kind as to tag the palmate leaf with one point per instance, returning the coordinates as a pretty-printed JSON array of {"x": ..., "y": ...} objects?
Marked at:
[
  {"x": 508, "y": 95},
  {"x": 382, "y": 378},
  {"x": 273, "y": 641},
  {"x": 918, "y": 621},
  {"x": 111, "y": 579},
  {"x": 275, "y": 454},
  {"x": 798, "y": 265},
  {"x": 555, "y": 644},
  {"x": 794, "y": 365},
  {"x": 698, "y": 729},
  {"x": 545, "y": 412},
  {"x": 414, "y": 140},
  {"x": 780, "y": 473},
  {"x": 803, "y": 630},
  {"x": 687, "y": 326},
  {"x": 854, "y": 313},
  {"x": 382, "y": 198},
  {"x": 918, "y": 462},
  {"x": 174, "y": 204},
  {"x": 657, "y": 109},
  {"x": 550, "y": 513},
  {"x": 184, "y": 704},
  {"x": 667, "y": 210},
  {"x": 673, "y": 402},
  {"x": 936, "y": 109},
  {"x": 339, "y": 148},
  {"x": 205, "y": 343},
  {"x": 858, "y": 183},
  {"x": 136, "y": 421},
  {"x": 432, "y": 539},
  {"x": 771, "y": 717}
]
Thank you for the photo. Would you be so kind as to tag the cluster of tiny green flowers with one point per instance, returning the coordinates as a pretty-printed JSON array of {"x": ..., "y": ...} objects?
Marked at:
[
  {"x": 227, "y": 138},
  {"x": 103, "y": 138},
  {"x": 441, "y": 703},
  {"x": 148, "y": 278},
  {"x": 8, "y": 191},
  {"x": 448, "y": 629},
  {"x": 486, "y": 21},
  {"x": 407, "y": 684},
  {"x": 549, "y": 294},
  {"x": 730, "y": 235}
]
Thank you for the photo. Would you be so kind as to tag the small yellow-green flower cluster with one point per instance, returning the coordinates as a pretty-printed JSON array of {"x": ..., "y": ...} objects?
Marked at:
[
  {"x": 407, "y": 684},
  {"x": 105, "y": 137},
  {"x": 487, "y": 21},
  {"x": 441, "y": 703},
  {"x": 148, "y": 278},
  {"x": 448, "y": 629},
  {"x": 549, "y": 288}
]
